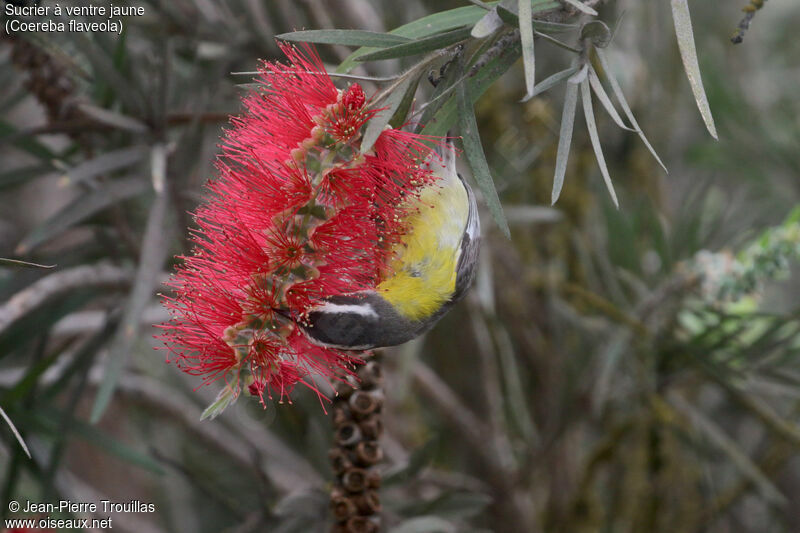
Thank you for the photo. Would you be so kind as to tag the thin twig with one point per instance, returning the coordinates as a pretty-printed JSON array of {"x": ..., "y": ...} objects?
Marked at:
[{"x": 375, "y": 79}]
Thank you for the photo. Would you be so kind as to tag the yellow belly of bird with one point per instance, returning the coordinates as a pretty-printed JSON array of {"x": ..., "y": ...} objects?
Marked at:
[{"x": 424, "y": 269}]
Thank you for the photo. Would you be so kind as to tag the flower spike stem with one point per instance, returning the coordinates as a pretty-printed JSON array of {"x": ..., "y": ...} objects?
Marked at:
[{"x": 356, "y": 453}]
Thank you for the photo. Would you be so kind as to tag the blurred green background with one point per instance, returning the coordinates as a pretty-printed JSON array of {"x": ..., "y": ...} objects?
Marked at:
[{"x": 586, "y": 384}]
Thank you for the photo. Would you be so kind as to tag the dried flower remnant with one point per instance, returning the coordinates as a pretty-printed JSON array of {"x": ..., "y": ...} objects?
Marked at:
[{"x": 297, "y": 215}]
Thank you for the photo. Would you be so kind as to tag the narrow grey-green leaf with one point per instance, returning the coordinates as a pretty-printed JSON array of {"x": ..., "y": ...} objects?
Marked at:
[
  {"x": 580, "y": 6},
  {"x": 10, "y": 134},
  {"x": 15, "y": 176},
  {"x": 685, "y": 35},
  {"x": 445, "y": 117},
  {"x": 730, "y": 447},
  {"x": 582, "y": 74},
  {"x": 113, "y": 119},
  {"x": 551, "y": 81},
  {"x": 609, "y": 358},
  {"x": 81, "y": 208},
  {"x": 477, "y": 159},
  {"x": 400, "y": 114},
  {"x": 430, "y": 25},
  {"x": 15, "y": 433},
  {"x": 601, "y": 94},
  {"x": 512, "y": 376},
  {"x": 588, "y": 112},
  {"x": 564, "y": 139},
  {"x": 25, "y": 264},
  {"x": 344, "y": 37},
  {"x": 425, "y": 524},
  {"x": 439, "y": 22},
  {"x": 509, "y": 13},
  {"x": 154, "y": 252},
  {"x": 490, "y": 23},
  {"x": 420, "y": 46},
  {"x": 225, "y": 398},
  {"x": 526, "y": 38},
  {"x": 103, "y": 67},
  {"x": 624, "y": 103},
  {"x": 107, "y": 162},
  {"x": 51, "y": 419},
  {"x": 556, "y": 42},
  {"x": 598, "y": 32},
  {"x": 381, "y": 119}
]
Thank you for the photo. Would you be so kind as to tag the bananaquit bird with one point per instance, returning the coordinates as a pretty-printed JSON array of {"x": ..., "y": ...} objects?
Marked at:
[{"x": 432, "y": 270}]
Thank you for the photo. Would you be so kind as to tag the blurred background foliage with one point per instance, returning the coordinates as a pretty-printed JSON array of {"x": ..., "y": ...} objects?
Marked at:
[{"x": 621, "y": 370}]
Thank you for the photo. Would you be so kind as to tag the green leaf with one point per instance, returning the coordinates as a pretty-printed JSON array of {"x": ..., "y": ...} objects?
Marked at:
[
  {"x": 551, "y": 81},
  {"x": 588, "y": 112},
  {"x": 424, "y": 27},
  {"x": 29, "y": 380},
  {"x": 29, "y": 326},
  {"x": 155, "y": 246},
  {"x": 487, "y": 25},
  {"x": 50, "y": 418},
  {"x": 459, "y": 504},
  {"x": 565, "y": 136},
  {"x": 344, "y": 37},
  {"x": 103, "y": 66},
  {"x": 580, "y": 6},
  {"x": 446, "y": 117},
  {"x": 439, "y": 22},
  {"x": 113, "y": 119},
  {"x": 512, "y": 376},
  {"x": 15, "y": 432},
  {"x": 420, "y": 457},
  {"x": 526, "y": 38},
  {"x": 609, "y": 357},
  {"x": 601, "y": 54},
  {"x": 685, "y": 36},
  {"x": 381, "y": 119},
  {"x": 601, "y": 94},
  {"x": 19, "y": 175},
  {"x": 104, "y": 163},
  {"x": 598, "y": 32},
  {"x": 420, "y": 46},
  {"x": 723, "y": 442},
  {"x": 226, "y": 397},
  {"x": 10, "y": 134},
  {"x": 473, "y": 149},
  {"x": 425, "y": 524},
  {"x": 509, "y": 12},
  {"x": 456, "y": 504},
  {"x": 400, "y": 114},
  {"x": 82, "y": 208}
]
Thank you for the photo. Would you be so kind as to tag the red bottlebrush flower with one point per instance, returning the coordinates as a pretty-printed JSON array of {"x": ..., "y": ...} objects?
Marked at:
[{"x": 297, "y": 215}]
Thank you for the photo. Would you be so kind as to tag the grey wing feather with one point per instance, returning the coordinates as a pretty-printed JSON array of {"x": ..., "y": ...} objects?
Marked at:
[{"x": 470, "y": 247}]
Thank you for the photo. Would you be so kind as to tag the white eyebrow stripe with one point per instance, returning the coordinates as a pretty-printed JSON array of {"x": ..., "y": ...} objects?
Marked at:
[{"x": 356, "y": 309}]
